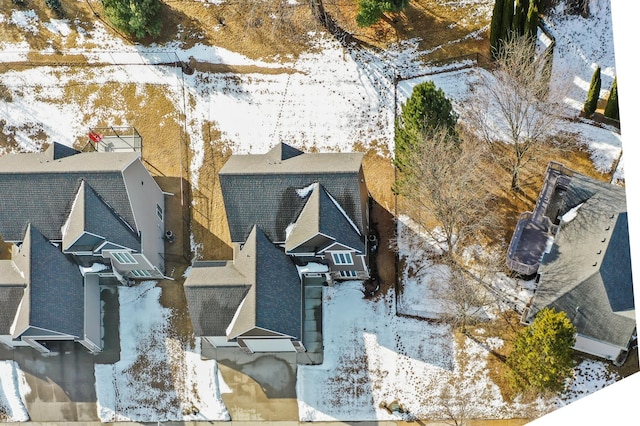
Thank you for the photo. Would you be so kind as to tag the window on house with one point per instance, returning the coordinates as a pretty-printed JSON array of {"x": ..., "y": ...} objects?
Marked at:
[
  {"x": 348, "y": 274},
  {"x": 123, "y": 257},
  {"x": 140, "y": 273},
  {"x": 343, "y": 258},
  {"x": 159, "y": 211}
]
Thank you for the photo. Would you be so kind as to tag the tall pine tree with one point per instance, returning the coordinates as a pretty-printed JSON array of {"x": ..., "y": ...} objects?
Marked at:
[
  {"x": 611, "y": 110},
  {"x": 591, "y": 103},
  {"x": 496, "y": 28}
]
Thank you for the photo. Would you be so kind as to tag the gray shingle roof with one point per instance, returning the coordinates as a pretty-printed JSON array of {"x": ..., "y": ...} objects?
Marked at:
[
  {"x": 91, "y": 214},
  {"x": 35, "y": 188},
  {"x": 55, "y": 292},
  {"x": 587, "y": 273},
  {"x": 261, "y": 282},
  {"x": 12, "y": 286},
  {"x": 321, "y": 215},
  {"x": 261, "y": 189}
]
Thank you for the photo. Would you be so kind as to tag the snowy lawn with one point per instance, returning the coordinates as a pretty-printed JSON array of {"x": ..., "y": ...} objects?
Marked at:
[
  {"x": 155, "y": 379},
  {"x": 13, "y": 385},
  {"x": 374, "y": 358}
]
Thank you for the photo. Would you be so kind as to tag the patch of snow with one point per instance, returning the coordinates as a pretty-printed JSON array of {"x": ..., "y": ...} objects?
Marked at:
[
  {"x": 588, "y": 377},
  {"x": 304, "y": 192},
  {"x": 26, "y": 20},
  {"x": 96, "y": 267},
  {"x": 128, "y": 390},
  {"x": 288, "y": 230},
  {"x": 571, "y": 214},
  {"x": 58, "y": 26},
  {"x": 13, "y": 387},
  {"x": 312, "y": 267}
]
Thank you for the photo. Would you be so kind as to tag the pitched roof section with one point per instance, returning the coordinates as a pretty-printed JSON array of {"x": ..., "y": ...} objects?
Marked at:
[
  {"x": 259, "y": 190},
  {"x": 214, "y": 291},
  {"x": 54, "y": 299},
  {"x": 58, "y": 151},
  {"x": 89, "y": 213},
  {"x": 587, "y": 273},
  {"x": 282, "y": 152},
  {"x": 12, "y": 286},
  {"x": 36, "y": 188},
  {"x": 260, "y": 288},
  {"x": 322, "y": 215}
]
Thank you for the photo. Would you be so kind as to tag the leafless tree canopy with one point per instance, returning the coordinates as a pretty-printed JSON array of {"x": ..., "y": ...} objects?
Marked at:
[
  {"x": 445, "y": 185},
  {"x": 514, "y": 106}
]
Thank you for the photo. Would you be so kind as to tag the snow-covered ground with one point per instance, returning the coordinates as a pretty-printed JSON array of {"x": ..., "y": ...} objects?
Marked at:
[
  {"x": 331, "y": 99},
  {"x": 13, "y": 387},
  {"x": 156, "y": 379}
]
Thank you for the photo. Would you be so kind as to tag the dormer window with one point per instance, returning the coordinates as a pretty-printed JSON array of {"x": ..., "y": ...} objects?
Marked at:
[{"x": 342, "y": 258}]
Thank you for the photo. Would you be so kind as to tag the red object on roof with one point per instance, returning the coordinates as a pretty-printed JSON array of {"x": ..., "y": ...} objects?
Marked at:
[{"x": 95, "y": 137}]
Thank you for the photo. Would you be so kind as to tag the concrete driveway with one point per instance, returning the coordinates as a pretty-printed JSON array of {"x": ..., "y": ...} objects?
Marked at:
[
  {"x": 63, "y": 382},
  {"x": 263, "y": 386}
]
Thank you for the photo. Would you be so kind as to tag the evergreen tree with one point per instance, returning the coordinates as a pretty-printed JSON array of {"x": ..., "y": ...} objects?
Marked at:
[
  {"x": 519, "y": 15},
  {"x": 541, "y": 358},
  {"x": 507, "y": 19},
  {"x": 591, "y": 103},
  {"x": 371, "y": 11},
  {"x": 611, "y": 110},
  {"x": 135, "y": 17},
  {"x": 425, "y": 112},
  {"x": 496, "y": 28},
  {"x": 531, "y": 23}
]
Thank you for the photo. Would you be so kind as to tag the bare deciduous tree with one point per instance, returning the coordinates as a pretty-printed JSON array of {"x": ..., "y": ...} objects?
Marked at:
[
  {"x": 445, "y": 186},
  {"x": 514, "y": 105}
]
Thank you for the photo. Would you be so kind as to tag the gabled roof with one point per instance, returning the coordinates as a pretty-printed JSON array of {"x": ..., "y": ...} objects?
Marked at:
[
  {"x": 322, "y": 215},
  {"x": 39, "y": 188},
  {"x": 269, "y": 190},
  {"x": 587, "y": 273},
  {"x": 260, "y": 289},
  {"x": 89, "y": 213},
  {"x": 54, "y": 298}
]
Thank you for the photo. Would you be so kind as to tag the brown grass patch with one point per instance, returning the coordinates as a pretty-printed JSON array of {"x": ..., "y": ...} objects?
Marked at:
[
  {"x": 209, "y": 220},
  {"x": 440, "y": 28},
  {"x": 504, "y": 327}
]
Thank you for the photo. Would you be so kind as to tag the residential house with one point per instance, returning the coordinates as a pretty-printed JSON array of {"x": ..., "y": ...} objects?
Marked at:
[
  {"x": 576, "y": 241},
  {"x": 73, "y": 218},
  {"x": 297, "y": 221}
]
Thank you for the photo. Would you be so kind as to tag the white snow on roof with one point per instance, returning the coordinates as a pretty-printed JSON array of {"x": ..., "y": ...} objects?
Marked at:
[
  {"x": 571, "y": 214},
  {"x": 304, "y": 192},
  {"x": 96, "y": 267}
]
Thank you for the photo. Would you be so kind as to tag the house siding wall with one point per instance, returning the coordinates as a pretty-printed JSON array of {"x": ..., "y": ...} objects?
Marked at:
[
  {"x": 594, "y": 347},
  {"x": 92, "y": 312},
  {"x": 145, "y": 194},
  {"x": 220, "y": 342},
  {"x": 270, "y": 345}
]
